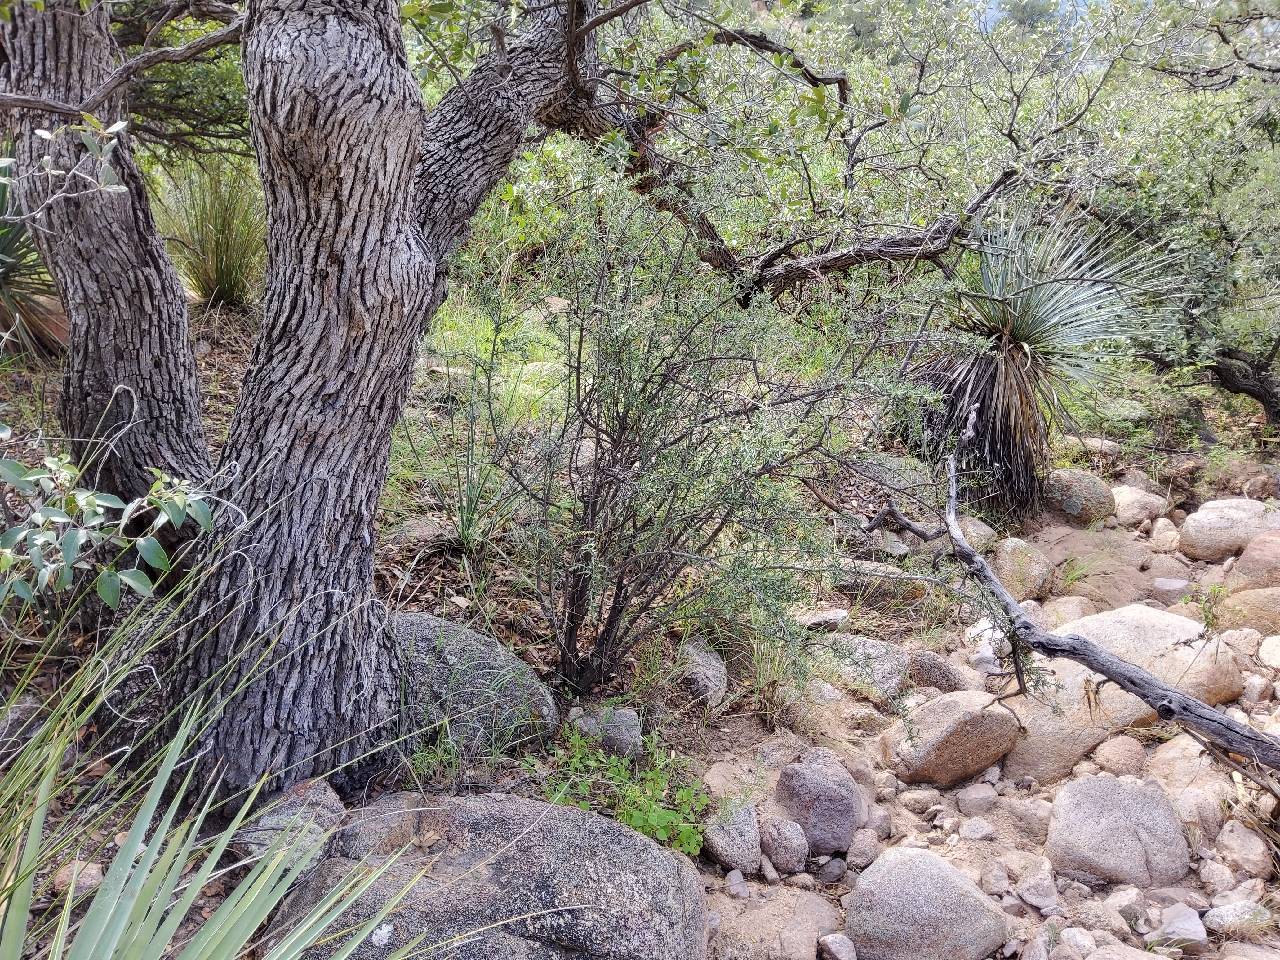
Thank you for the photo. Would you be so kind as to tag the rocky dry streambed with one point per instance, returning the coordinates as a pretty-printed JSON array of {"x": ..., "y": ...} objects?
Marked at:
[{"x": 907, "y": 811}]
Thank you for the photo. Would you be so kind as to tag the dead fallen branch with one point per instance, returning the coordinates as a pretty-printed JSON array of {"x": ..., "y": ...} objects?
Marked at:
[{"x": 1169, "y": 703}]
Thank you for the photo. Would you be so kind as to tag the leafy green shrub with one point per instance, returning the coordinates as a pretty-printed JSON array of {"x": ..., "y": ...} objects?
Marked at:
[
  {"x": 29, "y": 310},
  {"x": 214, "y": 217},
  {"x": 65, "y": 531},
  {"x": 1052, "y": 300},
  {"x": 664, "y": 452},
  {"x": 656, "y": 797}
]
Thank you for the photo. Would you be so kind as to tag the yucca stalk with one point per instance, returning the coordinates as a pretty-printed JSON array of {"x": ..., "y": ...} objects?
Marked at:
[
  {"x": 213, "y": 215},
  {"x": 1053, "y": 303}
]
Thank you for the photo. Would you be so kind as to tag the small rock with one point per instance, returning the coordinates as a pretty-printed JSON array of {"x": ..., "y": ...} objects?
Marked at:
[
  {"x": 1079, "y": 939},
  {"x": 1129, "y": 903},
  {"x": 1082, "y": 496},
  {"x": 821, "y": 618},
  {"x": 1122, "y": 756},
  {"x": 1269, "y": 652},
  {"x": 1024, "y": 570},
  {"x": 1223, "y": 527},
  {"x": 975, "y": 828},
  {"x": 1036, "y": 886},
  {"x": 784, "y": 844},
  {"x": 911, "y": 904},
  {"x": 832, "y": 871},
  {"x": 950, "y": 738},
  {"x": 769, "y": 872},
  {"x": 977, "y": 798},
  {"x": 1244, "y": 641},
  {"x": 920, "y": 800},
  {"x": 1251, "y": 890},
  {"x": 1180, "y": 927},
  {"x": 801, "y": 881},
  {"x": 1234, "y": 919},
  {"x": 733, "y": 839},
  {"x": 1215, "y": 877},
  {"x": 86, "y": 875},
  {"x": 1257, "y": 688},
  {"x": 1164, "y": 536},
  {"x": 735, "y": 884},
  {"x": 1032, "y": 814},
  {"x": 617, "y": 729},
  {"x": 864, "y": 848},
  {"x": 1258, "y": 566},
  {"x": 1244, "y": 849},
  {"x": 1135, "y": 506},
  {"x": 836, "y": 946},
  {"x": 704, "y": 674},
  {"x": 879, "y": 820},
  {"x": 1118, "y": 830},
  {"x": 821, "y": 795},
  {"x": 1169, "y": 590},
  {"x": 994, "y": 879}
]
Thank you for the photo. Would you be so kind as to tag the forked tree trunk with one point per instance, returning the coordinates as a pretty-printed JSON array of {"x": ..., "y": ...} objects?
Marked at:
[
  {"x": 336, "y": 119},
  {"x": 366, "y": 198},
  {"x": 365, "y": 201},
  {"x": 131, "y": 398}
]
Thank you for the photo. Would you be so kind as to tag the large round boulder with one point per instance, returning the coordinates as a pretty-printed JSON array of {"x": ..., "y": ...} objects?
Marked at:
[
  {"x": 820, "y": 794},
  {"x": 1084, "y": 498},
  {"x": 502, "y": 876},
  {"x": 1117, "y": 830},
  {"x": 1077, "y": 711},
  {"x": 911, "y": 904},
  {"x": 478, "y": 693},
  {"x": 1135, "y": 506},
  {"x": 1258, "y": 568},
  {"x": 950, "y": 738},
  {"x": 1221, "y": 528},
  {"x": 1023, "y": 569},
  {"x": 1259, "y": 609}
]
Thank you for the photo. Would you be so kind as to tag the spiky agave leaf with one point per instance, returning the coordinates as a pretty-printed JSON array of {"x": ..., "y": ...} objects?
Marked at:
[{"x": 1055, "y": 299}]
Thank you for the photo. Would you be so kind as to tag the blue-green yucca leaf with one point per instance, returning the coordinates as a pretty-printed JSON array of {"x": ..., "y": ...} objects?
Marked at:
[{"x": 1055, "y": 300}]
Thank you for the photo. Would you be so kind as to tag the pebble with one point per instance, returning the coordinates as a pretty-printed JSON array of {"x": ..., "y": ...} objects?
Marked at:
[
  {"x": 836, "y": 946},
  {"x": 735, "y": 884},
  {"x": 975, "y": 828},
  {"x": 832, "y": 871}
]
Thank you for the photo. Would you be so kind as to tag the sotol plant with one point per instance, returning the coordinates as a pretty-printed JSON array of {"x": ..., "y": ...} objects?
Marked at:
[
  {"x": 28, "y": 298},
  {"x": 1052, "y": 299}
]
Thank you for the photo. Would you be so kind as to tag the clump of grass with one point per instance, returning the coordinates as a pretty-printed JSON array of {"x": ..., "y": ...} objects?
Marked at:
[{"x": 214, "y": 217}]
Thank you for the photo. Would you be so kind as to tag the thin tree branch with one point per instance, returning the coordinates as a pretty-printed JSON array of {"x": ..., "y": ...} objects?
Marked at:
[{"x": 126, "y": 71}]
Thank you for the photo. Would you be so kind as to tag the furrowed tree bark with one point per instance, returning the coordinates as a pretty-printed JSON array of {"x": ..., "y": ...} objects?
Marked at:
[
  {"x": 365, "y": 200},
  {"x": 131, "y": 398}
]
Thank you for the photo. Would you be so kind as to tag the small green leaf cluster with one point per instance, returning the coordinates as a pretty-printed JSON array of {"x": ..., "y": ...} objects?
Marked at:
[
  {"x": 67, "y": 532},
  {"x": 654, "y": 796}
]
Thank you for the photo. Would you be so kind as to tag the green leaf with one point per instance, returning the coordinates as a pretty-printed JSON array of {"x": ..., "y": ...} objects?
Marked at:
[
  {"x": 202, "y": 515},
  {"x": 108, "y": 587},
  {"x": 137, "y": 581},
  {"x": 150, "y": 550}
]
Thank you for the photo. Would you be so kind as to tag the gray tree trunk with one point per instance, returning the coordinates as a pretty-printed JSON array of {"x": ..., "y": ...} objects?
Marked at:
[
  {"x": 366, "y": 198},
  {"x": 131, "y": 398}
]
